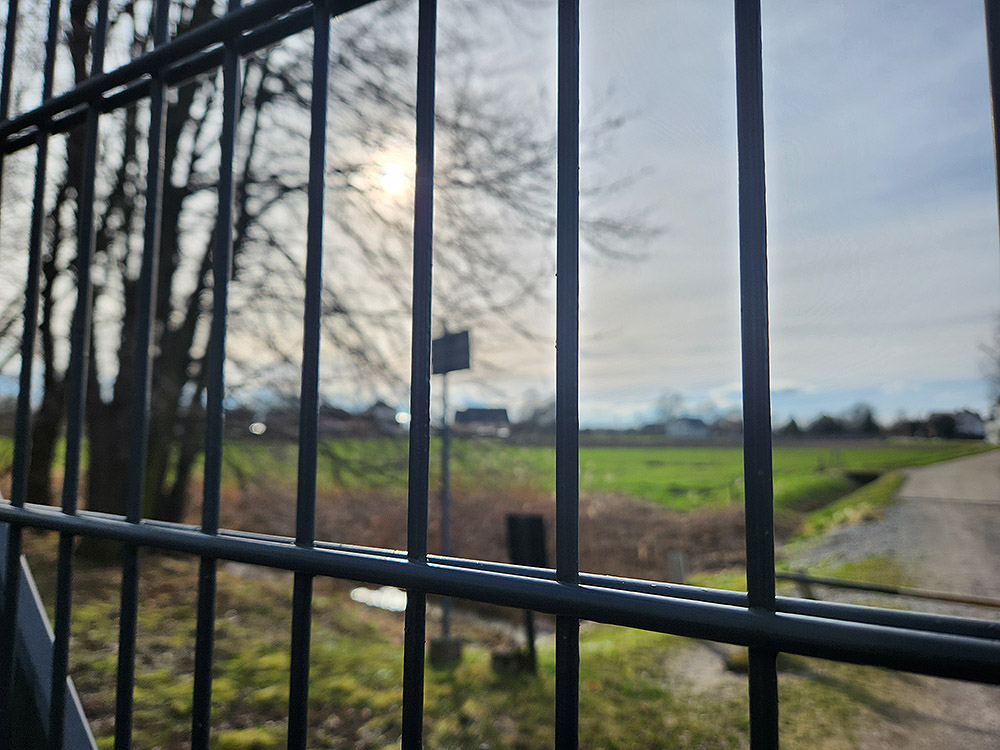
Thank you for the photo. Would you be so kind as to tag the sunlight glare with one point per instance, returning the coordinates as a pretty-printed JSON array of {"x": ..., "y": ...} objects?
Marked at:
[{"x": 393, "y": 179}]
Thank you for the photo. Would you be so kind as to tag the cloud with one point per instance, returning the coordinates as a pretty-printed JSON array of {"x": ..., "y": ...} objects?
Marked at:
[{"x": 881, "y": 207}]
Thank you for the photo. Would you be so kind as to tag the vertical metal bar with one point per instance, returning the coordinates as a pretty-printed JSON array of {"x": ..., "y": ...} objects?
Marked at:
[
  {"x": 125, "y": 684},
  {"x": 22, "y": 430},
  {"x": 6, "y": 75},
  {"x": 763, "y": 680},
  {"x": 423, "y": 207},
  {"x": 9, "y": 47},
  {"x": 22, "y": 427},
  {"x": 215, "y": 408},
  {"x": 305, "y": 512},
  {"x": 414, "y": 636},
  {"x": 567, "y": 370},
  {"x": 420, "y": 377},
  {"x": 992, "y": 8},
  {"x": 8, "y": 629},
  {"x": 298, "y": 690},
  {"x": 76, "y": 391}
]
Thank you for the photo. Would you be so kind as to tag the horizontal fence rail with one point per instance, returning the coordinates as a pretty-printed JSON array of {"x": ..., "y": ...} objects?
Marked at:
[
  {"x": 938, "y": 645},
  {"x": 149, "y": 531},
  {"x": 910, "y": 649},
  {"x": 883, "y": 588}
]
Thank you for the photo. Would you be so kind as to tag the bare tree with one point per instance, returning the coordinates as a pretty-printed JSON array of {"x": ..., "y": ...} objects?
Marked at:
[
  {"x": 495, "y": 181},
  {"x": 991, "y": 364}
]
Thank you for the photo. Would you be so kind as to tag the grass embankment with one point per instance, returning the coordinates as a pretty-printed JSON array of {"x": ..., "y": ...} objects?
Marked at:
[
  {"x": 621, "y": 489},
  {"x": 866, "y": 503},
  {"x": 624, "y": 494}
]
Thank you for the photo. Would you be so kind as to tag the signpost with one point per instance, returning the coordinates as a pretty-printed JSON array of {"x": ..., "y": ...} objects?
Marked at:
[
  {"x": 449, "y": 353},
  {"x": 526, "y": 546}
]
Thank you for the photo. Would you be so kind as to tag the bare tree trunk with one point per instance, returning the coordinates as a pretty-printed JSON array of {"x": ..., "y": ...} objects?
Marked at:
[
  {"x": 108, "y": 421},
  {"x": 108, "y": 456},
  {"x": 47, "y": 423},
  {"x": 44, "y": 438},
  {"x": 172, "y": 502},
  {"x": 172, "y": 368}
]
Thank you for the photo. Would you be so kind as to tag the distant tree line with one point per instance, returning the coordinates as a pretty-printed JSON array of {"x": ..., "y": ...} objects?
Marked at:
[{"x": 861, "y": 422}]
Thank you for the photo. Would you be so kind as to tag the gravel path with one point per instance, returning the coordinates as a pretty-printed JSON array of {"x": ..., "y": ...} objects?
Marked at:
[
  {"x": 945, "y": 531},
  {"x": 948, "y": 517}
]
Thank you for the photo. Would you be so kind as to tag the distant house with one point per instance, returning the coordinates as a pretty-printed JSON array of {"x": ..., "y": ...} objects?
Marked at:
[
  {"x": 383, "y": 419},
  {"x": 968, "y": 424},
  {"x": 540, "y": 419},
  {"x": 482, "y": 422},
  {"x": 729, "y": 427},
  {"x": 335, "y": 421},
  {"x": 909, "y": 428},
  {"x": 960, "y": 424},
  {"x": 991, "y": 427},
  {"x": 687, "y": 428}
]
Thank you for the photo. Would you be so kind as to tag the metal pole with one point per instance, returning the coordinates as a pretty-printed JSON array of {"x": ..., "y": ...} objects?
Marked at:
[
  {"x": 76, "y": 390},
  {"x": 420, "y": 379},
  {"x": 567, "y": 689},
  {"x": 6, "y": 76},
  {"x": 993, "y": 56},
  {"x": 529, "y": 635},
  {"x": 757, "y": 471},
  {"x": 222, "y": 259},
  {"x": 305, "y": 504},
  {"x": 445, "y": 498},
  {"x": 22, "y": 429}
]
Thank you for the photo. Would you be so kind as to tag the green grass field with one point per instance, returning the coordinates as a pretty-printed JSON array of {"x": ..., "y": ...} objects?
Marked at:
[{"x": 677, "y": 477}]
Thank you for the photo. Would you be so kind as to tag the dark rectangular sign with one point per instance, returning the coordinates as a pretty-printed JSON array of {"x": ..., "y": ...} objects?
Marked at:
[
  {"x": 526, "y": 539},
  {"x": 450, "y": 353}
]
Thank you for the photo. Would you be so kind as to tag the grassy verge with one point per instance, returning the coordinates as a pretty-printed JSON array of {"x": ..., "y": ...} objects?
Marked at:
[
  {"x": 866, "y": 503},
  {"x": 874, "y": 569}
]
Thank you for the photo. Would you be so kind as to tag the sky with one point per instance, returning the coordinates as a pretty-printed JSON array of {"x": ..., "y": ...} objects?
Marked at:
[
  {"x": 884, "y": 270},
  {"x": 882, "y": 212}
]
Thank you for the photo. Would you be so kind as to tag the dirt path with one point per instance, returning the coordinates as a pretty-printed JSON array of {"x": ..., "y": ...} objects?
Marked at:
[
  {"x": 949, "y": 518},
  {"x": 945, "y": 531}
]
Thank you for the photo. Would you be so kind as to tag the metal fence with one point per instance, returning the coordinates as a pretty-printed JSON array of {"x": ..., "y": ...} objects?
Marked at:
[{"x": 767, "y": 624}]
